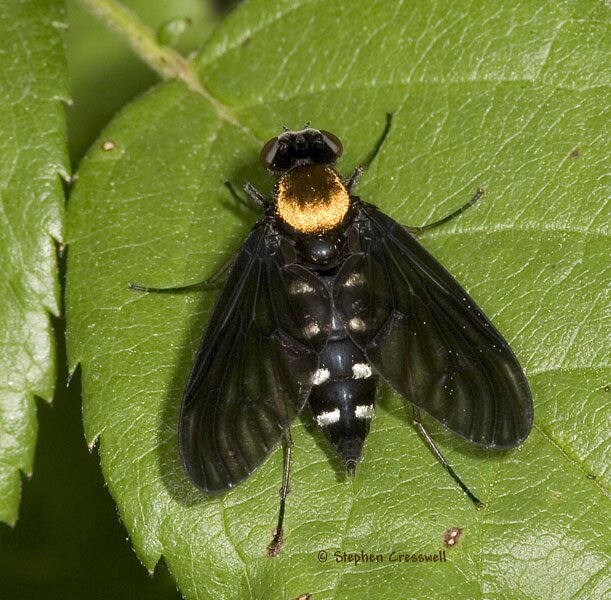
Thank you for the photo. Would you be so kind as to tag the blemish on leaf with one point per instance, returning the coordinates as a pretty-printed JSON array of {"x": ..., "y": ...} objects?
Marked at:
[
  {"x": 108, "y": 145},
  {"x": 452, "y": 536},
  {"x": 574, "y": 153},
  {"x": 273, "y": 550}
]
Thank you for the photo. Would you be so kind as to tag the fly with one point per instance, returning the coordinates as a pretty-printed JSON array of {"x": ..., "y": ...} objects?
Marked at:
[{"x": 326, "y": 296}]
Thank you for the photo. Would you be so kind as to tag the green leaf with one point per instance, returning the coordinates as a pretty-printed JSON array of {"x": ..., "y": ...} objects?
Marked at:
[
  {"x": 33, "y": 85},
  {"x": 490, "y": 95}
]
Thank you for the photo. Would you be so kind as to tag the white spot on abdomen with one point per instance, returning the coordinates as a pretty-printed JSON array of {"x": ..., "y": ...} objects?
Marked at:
[
  {"x": 311, "y": 329},
  {"x": 300, "y": 287},
  {"x": 328, "y": 418},
  {"x": 355, "y": 279},
  {"x": 361, "y": 371},
  {"x": 357, "y": 324},
  {"x": 320, "y": 376},
  {"x": 364, "y": 411}
]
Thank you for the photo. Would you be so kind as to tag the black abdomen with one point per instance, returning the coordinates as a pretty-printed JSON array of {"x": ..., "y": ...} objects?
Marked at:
[
  {"x": 343, "y": 394},
  {"x": 344, "y": 386}
]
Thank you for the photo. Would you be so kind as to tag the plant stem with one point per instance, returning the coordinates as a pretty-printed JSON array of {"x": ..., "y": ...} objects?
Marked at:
[
  {"x": 168, "y": 63},
  {"x": 165, "y": 61}
]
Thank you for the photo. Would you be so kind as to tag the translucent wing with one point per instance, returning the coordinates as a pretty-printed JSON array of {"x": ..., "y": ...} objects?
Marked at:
[
  {"x": 252, "y": 373},
  {"x": 426, "y": 336}
]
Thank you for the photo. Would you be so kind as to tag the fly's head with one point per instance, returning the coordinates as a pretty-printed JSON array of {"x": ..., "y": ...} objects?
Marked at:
[
  {"x": 298, "y": 148},
  {"x": 309, "y": 195}
]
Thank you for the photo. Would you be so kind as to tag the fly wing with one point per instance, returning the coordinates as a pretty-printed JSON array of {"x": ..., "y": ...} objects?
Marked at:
[
  {"x": 253, "y": 371},
  {"x": 427, "y": 338}
]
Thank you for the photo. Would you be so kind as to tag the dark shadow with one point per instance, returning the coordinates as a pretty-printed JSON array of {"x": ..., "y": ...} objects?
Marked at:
[
  {"x": 224, "y": 7},
  {"x": 69, "y": 541}
]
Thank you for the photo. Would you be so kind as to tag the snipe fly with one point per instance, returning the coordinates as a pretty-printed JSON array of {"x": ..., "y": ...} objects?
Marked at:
[{"x": 326, "y": 296}]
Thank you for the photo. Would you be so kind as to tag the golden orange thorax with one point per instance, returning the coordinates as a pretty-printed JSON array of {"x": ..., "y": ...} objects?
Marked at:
[{"x": 311, "y": 198}]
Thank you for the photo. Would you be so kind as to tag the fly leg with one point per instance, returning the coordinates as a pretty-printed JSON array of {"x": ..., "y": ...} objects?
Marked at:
[
  {"x": 356, "y": 174},
  {"x": 274, "y": 548},
  {"x": 415, "y": 230},
  {"x": 212, "y": 283},
  {"x": 426, "y": 436},
  {"x": 254, "y": 200}
]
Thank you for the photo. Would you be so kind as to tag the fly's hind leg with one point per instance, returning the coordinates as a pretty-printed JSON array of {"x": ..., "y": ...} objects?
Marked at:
[
  {"x": 356, "y": 174},
  {"x": 426, "y": 436},
  {"x": 416, "y": 230},
  {"x": 274, "y": 548}
]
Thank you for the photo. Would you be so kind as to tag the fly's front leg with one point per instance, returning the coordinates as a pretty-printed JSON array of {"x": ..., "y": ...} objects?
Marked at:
[
  {"x": 416, "y": 230},
  {"x": 356, "y": 174}
]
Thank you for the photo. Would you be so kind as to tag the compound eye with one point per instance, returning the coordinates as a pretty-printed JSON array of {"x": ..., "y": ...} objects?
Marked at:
[
  {"x": 268, "y": 153},
  {"x": 333, "y": 143}
]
